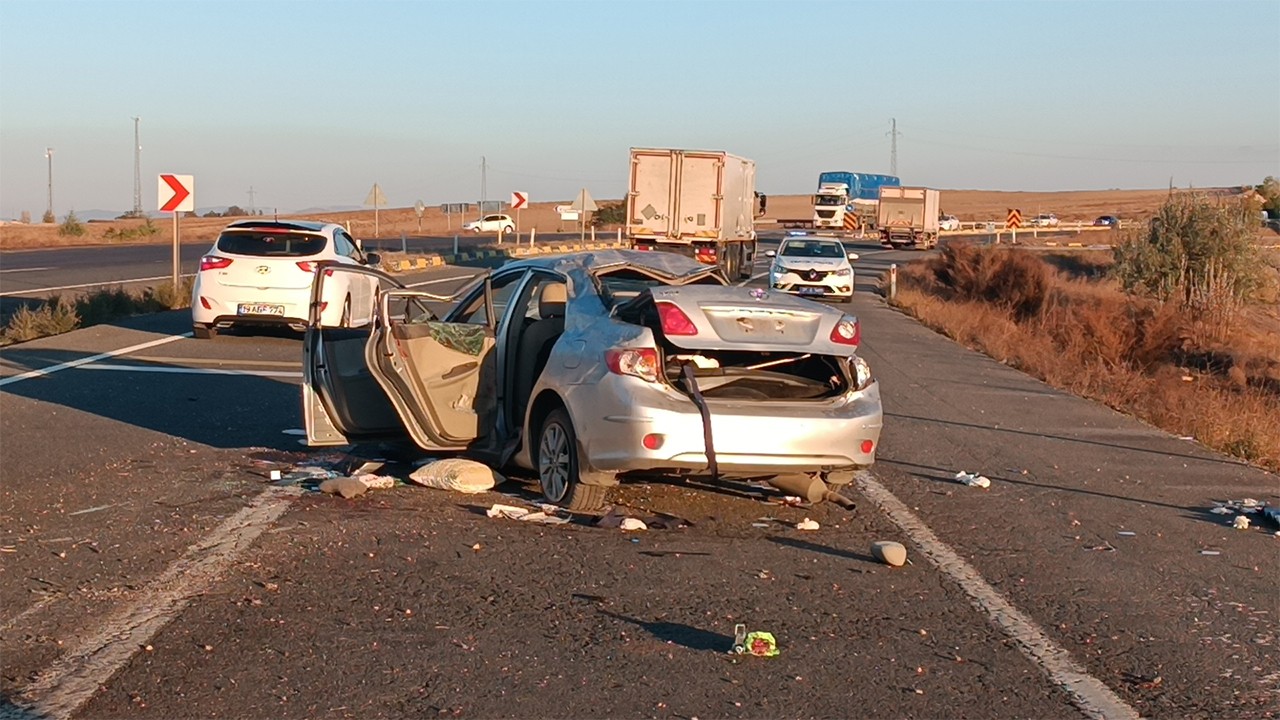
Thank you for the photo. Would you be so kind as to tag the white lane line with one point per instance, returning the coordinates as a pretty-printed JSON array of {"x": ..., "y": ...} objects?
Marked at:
[
  {"x": 753, "y": 277},
  {"x": 1090, "y": 695},
  {"x": 216, "y": 361},
  {"x": 59, "y": 690},
  {"x": 442, "y": 280},
  {"x": 192, "y": 370},
  {"x": 24, "y": 269},
  {"x": 92, "y": 358},
  {"x": 102, "y": 283}
]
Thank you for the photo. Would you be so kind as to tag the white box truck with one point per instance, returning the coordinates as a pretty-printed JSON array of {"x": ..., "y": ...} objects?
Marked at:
[
  {"x": 699, "y": 203},
  {"x": 908, "y": 217}
]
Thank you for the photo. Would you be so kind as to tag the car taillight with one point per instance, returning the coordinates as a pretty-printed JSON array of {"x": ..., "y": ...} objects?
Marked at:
[
  {"x": 705, "y": 255},
  {"x": 674, "y": 321},
  {"x": 213, "y": 262},
  {"x": 847, "y": 332},
  {"x": 636, "y": 362},
  {"x": 307, "y": 266}
]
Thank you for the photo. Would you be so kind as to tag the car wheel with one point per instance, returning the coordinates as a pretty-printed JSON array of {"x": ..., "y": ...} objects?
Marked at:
[
  {"x": 203, "y": 332},
  {"x": 476, "y": 229},
  {"x": 509, "y": 229},
  {"x": 558, "y": 469}
]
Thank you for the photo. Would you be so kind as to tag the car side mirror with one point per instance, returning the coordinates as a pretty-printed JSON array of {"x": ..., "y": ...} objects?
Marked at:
[
  {"x": 853, "y": 256},
  {"x": 770, "y": 254},
  {"x": 372, "y": 258}
]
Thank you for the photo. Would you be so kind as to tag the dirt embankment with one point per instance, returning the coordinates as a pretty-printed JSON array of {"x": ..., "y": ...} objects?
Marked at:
[{"x": 967, "y": 205}]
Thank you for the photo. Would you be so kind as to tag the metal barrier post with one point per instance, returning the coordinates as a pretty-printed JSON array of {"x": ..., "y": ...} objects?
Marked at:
[
  {"x": 893, "y": 281},
  {"x": 404, "y": 246},
  {"x": 455, "y": 245},
  {"x": 533, "y": 233}
]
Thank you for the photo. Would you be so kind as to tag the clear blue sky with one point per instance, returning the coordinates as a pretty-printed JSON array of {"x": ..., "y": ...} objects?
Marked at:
[{"x": 310, "y": 103}]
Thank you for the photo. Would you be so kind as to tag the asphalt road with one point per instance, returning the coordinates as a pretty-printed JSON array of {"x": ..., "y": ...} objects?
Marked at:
[
  {"x": 150, "y": 571},
  {"x": 37, "y": 274}
]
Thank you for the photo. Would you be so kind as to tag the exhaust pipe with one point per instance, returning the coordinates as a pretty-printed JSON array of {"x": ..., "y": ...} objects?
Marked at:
[{"x": 811, "y": 489}]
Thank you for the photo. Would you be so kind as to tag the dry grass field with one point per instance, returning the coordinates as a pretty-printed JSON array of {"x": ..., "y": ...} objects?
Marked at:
[{"x": 967, "y": 205}]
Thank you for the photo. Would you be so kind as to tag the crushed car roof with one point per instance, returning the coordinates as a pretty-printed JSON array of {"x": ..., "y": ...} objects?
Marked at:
[{"x": 676, "y": 267}]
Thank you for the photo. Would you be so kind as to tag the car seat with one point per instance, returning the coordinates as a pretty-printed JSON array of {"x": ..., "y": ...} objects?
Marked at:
[{"x": 534, "y": 347}]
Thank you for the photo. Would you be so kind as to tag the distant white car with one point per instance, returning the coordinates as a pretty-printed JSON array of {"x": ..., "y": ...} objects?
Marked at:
[
  {"x": 259, "y": 272},
  {"x": 492, "y": 223},
  {"x": 812, "y": 267},
  {"x": 1045, "y": 220},
  {"x": 948, "y": 222}
]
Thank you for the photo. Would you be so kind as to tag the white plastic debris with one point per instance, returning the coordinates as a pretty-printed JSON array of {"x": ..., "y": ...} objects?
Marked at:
[
  {"x": 631, "y": 523},
  {"x": 1222, "y": 510},
  {"x": 1241, "y": 522},
  {"x": 807, "y": 524},
  {"x": 889, "y": 552},
  {"x": 376, "y": 482},
  {"x": 511, "y": 512},
  {"x": 275, "y": 475},
  {"x": 457, "y": 474},
  {"x": 972, "y": 479}
]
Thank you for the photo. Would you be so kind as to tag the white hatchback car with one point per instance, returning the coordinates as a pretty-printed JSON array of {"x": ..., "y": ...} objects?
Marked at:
[
  {"x": 812, "y": 267},
  {"x": 259, "y": 272},
  {"x": 948, "y": 222},
  {"x": 1045, "y": 220},
  {"x": 492, "y": 223}
]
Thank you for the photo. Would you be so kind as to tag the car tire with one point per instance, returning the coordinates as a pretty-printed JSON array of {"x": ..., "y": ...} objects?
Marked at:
[
  {"x": 559, "y": 469},
  {"x": 508, "y": 229},
  {"x": 476, "y": 229},
  {"x": 203, "y": 332}
]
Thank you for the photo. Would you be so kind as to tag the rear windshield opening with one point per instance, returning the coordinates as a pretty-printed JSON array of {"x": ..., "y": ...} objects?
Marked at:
[
  {"x": 742, "y": 375},
  {"x": 622, "y": 285},
  {"x": 260, "y": 244}
]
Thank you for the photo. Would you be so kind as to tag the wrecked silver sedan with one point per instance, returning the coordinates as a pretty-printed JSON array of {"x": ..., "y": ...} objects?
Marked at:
[{"x": 585, "y": 366}]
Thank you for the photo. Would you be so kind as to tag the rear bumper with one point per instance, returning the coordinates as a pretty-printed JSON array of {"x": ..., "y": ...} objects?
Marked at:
[
  {"x": 748, "y": 437},
  {"x": 215, "y": 304}
]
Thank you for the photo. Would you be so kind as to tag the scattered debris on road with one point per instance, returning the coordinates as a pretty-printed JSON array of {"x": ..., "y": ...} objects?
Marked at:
[
  {"x": 973, "y": 479},
  {"x": 457, "y": 474},
  {"x": 347, "y": 487},
  {"x": 889, "y": 552},
  {"x": 1241, "y": 522},
  {"x": 807, "y": 524},
  {"x": 545, "y": 516},
  {"x": 758, "y": 643}
]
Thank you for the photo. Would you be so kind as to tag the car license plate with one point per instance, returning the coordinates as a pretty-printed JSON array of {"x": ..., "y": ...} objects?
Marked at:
[
  {"x": 812, "y": 291},
  {"x": 259, "y": 309}
]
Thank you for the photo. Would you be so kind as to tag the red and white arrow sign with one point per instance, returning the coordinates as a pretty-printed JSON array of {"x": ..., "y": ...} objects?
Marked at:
[
  {"x": 519, "y": 200},
  {"x": 176, "y": 193}
]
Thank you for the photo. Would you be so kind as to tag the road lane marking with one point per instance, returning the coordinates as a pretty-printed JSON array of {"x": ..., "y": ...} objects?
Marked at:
[
  {"x": 216, "y": 361},
  {"x": 1090, "y": 695},
  {"x": 103, "y": 283},
  {"x": 193, "y": 370},
  {"x": 59, "y": 690},
  {"x": 92, "y": 358},
  {"x": 24, "y": 269}
]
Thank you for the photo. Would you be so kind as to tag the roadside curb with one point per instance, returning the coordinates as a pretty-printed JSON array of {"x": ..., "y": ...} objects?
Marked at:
[{"x": 430, "y": 260}]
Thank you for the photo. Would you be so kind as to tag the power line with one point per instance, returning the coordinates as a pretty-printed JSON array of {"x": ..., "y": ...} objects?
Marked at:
[{"x": 1172, "y": 161}]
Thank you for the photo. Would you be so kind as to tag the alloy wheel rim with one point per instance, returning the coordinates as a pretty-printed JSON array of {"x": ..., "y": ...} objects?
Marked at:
[{"x": 553, "y": 462}]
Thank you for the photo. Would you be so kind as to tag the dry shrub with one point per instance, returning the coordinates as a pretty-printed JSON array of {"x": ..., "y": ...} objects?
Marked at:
[
  {"x": 50, "y": 318},
  {"x": 56, "y": 316},
  {"x": 1000, "y": 276},
  {"x": 1137, "y": 355}
]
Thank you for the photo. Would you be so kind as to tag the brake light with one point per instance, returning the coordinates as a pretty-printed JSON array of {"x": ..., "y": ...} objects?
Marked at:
[
  {"x": 847, "y": 332},
  {"x": 213, "y": 262},
  {"x": 636, "y": 362},
  {"x": 674, "y": 321},
  {"x": 705, "y": 255},
  {"x": 307, "y": 266}
]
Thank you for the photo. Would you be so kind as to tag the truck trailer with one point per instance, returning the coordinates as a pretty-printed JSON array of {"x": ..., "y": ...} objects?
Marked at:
[
  {"x": 846, "y": 201},
  {"x": 908, "y": 217},
  {"x": 698, "y": 203}
]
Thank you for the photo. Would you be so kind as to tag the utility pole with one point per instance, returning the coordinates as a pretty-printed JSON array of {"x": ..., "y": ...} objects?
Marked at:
[
  {"x": 251, "y": 207},
  {"x": 484, "y": 180},
  {"x": 893, "y": 147},
  {"x": 137, "y": 170},
  {"x": 48, "y": 153}
]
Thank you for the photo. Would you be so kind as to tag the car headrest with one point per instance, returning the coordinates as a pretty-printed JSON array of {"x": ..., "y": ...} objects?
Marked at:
[{"x": 551, "y": 300}]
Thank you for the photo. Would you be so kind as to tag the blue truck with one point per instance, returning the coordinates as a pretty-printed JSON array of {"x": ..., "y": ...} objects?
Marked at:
[{"x": 842, "y": 193}]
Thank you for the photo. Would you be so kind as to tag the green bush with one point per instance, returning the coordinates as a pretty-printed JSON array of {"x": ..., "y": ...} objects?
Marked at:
[
  {"x": 1196, "y": 252},
  {"x": 48, "y": 217},
  {"x": 71, "y": 226},
  {"x": 610, "y": 213}
]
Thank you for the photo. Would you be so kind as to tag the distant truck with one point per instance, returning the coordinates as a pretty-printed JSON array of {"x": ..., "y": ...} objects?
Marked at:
[
  {"x": 698, "y": 203},
  {"x": 908, "y": 217},
  {"x": 841, "y": 193}
]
